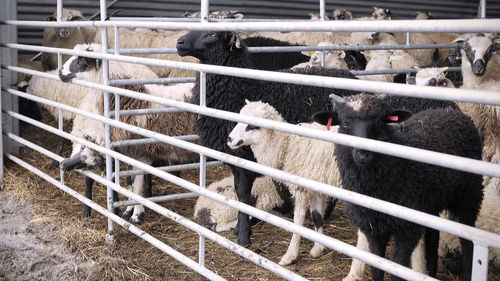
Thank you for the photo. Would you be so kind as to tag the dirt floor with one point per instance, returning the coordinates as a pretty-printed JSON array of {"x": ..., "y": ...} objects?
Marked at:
[{"x": 43, "y": 237}]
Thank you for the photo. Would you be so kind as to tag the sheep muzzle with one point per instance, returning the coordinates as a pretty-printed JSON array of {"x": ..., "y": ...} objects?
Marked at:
[
  {"x": 73, "y": 162},
  {"x": 479, "y": 67},
  {"x": 63, "y": 32}
]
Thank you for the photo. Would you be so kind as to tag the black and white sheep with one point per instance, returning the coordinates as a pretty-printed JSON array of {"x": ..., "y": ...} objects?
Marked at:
[
  {"x": 295, "y": 154},
  {"x": 175, "y": 124},
  {"x": 228, "y": 93},
  {"x": 480, "y": 61},
  {"x": 431, "y": 190}
]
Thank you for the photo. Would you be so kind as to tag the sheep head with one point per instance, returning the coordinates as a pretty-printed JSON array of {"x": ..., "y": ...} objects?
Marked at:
[
  {"x": 68, "y": 15},
  {"x": 85, "y": 158},
  {"x": 80, "y": 66},
  {"x": 201, "y": 44},
  {"x": 362, "y": 115},
  {"x": 478, "y": 49},
  {"x": 342, "y": 14},
  {"x": 245, "y": 134},
  {"x": 431, "y": 76},
  {"x": 381, "y": 13}
]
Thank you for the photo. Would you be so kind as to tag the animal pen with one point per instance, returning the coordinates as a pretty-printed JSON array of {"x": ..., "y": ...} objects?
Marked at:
[{"x": 11, "y": 140}]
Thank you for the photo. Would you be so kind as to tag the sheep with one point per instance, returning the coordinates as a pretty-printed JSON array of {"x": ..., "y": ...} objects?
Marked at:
[
  {"x": 381, "y": 13},
  {"x": 225, "y": 14},
  {"x": 342, "y": 14},
  {"x": 64, "y": 37},
  {"x": 480, "y": 63},
  {"x": 379, "y": 60},
  {"x": 220, "y": 217},
  {"x": 340, "y": 59},
  {"x": 86, "y": 68},
  {"x": 229, "y": 93},
  {"x": 290, "y": 153},
  {"x": 315, "y": 16},
  {"x": 432, "y": 190}
]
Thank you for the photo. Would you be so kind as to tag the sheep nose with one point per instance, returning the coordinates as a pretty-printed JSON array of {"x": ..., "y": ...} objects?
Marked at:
[
  {"x": 362, "y": 157},
  {"x": 479, "y": 67},
  {"x": 63, "y": 32},
  {"x": 375, "y": 35},
  {"x": 229, "y": 140}
]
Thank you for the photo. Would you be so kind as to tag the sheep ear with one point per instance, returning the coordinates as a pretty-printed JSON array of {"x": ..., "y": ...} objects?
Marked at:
[
  {"x": 398, "y": 116},
  {"x": 247, "y": 101},
  {"x": 341, "y": 54},
  {"x": 325, "y": 118},
  {"x": 411, "y": 80},
  {"x": 460, "y": 39},
  {"x": 337, "y": 101},
  {"x": 307, "y": 53},
  {"x": 50, "y": 18}
]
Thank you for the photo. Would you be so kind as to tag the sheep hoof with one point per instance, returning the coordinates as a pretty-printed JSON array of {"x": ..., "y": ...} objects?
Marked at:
[
  {"x": 137, "y": 219},
  {"x": 127, "y": 214},
  {"x": 86, "y": 212},
  {"x": 54, "y": 165},
  {"x": 317, "y": 251},
  {"x": 287, "y": 259},
  {"x": 244, "y": 242},
  {"x": 352, "y": 278}
]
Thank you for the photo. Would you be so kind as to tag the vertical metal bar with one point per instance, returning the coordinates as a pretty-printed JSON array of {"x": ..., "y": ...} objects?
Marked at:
[
  {"x": 322, "y": 9},
  {"x": 1, "y": 111},
  {"x": 201, "y": 250},
  {"x": 480, "y": 261},
  {"x": 107, "y": 128},
  {"x": 61, "y": 127},
  {"x": 204, "y": 11},
  {"x": 117, "y": 102},
  {"x": 408, "y": 42},
  {"x": 59, "y": 14},
  {"x": 482, "y": 9}
]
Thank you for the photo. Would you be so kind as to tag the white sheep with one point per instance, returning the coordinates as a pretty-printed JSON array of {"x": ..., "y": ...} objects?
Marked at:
[
  {"x": 220, "y": 217},
  {"x": 64, "y": 37},
  {"x": 333, "y": 58},
  {"x": 151, "y": 39},
  {"x": 379, "y": 60},
  {"x": 295, "y": 154},
  {"x": 175, "y": 124}
]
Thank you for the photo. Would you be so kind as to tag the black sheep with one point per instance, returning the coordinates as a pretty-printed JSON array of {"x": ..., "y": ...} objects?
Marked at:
[
  {"x": 295, "y": 102},
  {"x": 413, "y": 184}
]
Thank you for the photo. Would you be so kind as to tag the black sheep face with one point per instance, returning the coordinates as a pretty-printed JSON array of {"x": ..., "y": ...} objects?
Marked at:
[
  {"x": 201, "y": 44},
  {"x": 363, "y": 116}
]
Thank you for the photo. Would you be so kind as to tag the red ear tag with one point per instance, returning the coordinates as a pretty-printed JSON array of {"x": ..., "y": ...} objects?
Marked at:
[
  {"x": 232, "y": 44},
  {"x": 392, "y": 118},
  {"x": 329, "y": 123},
  {"x": 444, "y": 83}
]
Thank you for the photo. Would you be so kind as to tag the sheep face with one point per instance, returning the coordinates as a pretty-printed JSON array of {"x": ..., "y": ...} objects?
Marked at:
[
  {"x": 85, "y": 158},
  {"x": 68, "y": 15},
  {"x": 478, "y": 49},
  {"x": 79, "y": 66},
  {"x": 342, "y": 14},
  {"x": 246, "y": 134},
  {"x": 381, "y": 13},
  {"x": 435, "y": 77},
  {"x": 200, "y": 44},
  {"x": 363, "y": 116}
]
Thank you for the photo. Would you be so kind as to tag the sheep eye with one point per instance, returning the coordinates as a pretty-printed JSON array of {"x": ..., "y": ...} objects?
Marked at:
[
  {"x": 345, "y": 124},
  {"x": 251, "y": 127}
]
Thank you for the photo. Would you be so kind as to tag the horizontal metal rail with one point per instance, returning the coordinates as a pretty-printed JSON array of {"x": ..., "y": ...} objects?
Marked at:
[
  {"x": 130, "y": 227},
  {"x": 466, "y": 25},
  {"x": 151, "y": 81},
  {"x": 329, "y": 242},
  {"x": 158, "y": 199},
  {"x": 151, "y": 141},
  {"x": 436, "y": 158},
  {"x": 394, "y": 71},
  {"x": 285, "y": 49},
  {"x": 440, "y": 93},
  {"x": 145, "y": 111},
  {"x": 171, "y": 168}
]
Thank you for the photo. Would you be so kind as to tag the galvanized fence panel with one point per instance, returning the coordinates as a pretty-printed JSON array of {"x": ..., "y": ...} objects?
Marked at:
[{"x": 482, "y": 239}]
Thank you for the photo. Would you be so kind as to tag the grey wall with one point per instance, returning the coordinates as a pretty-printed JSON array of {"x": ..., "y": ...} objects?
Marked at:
[{"x": 284, "y": 9}]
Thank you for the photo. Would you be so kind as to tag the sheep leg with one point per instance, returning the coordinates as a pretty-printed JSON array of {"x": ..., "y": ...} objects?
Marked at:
[
  {"x": 243, "y": 181},
  {"x": 431, "y": 250},
  {"x": 299, "y": 214},
  {"x": 138, "y": 188},
  {"x": 318, "y": 213},
  {"x": 88, "y": 193},
  {"x": 467, "y": 247},
  {"x": 357, "y": 271},
  {"x": 378, "y": 246},
  {"x": 403, "y": 247},
  {"x": 130, "y": 209},
  {"x": 59, "y": 149},
  {"x": 417, "y": 259}
]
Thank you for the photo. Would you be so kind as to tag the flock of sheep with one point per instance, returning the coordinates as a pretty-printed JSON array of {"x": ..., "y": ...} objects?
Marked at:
[{"x": 462, "y": 129}]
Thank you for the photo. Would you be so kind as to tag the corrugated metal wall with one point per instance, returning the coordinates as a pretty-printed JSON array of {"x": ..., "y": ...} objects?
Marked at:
[{"x": 291, "y": 9}]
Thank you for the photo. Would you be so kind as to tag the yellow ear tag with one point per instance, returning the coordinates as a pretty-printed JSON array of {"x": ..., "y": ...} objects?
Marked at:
[
  {"x": 102, "y": 174},
  {"x": 371, "y": 56},
  {"x": 390, "y": 58},
  {"x": 390, "y": 18},
  {"x": 21, "y": 85},
  {"x": 310, "y": 53}
]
